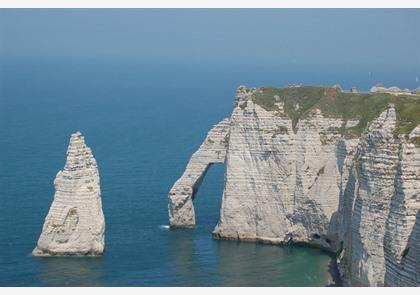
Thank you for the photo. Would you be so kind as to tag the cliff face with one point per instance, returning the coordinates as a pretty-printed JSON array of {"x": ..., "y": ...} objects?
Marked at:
[
  {"x": 75, "y": 223},
  {"x": 375, "y": 169},
  {"x": 314, "y": 165},
  {"x": 381, "y": 200},
  {"x": 402, "y": 235},
  {"x": 280, "y": 185}
]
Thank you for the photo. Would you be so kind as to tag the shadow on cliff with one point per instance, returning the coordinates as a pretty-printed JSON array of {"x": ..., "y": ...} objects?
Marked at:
[
  {"x": 336, "y": 220},
  {"x": 400, "y": 266},
  {"x": 335, "y": 274},
  {"x": 409, "y": 263},
  {"x": 400, "y": 259},
  {"x": 394, "y": 220},
  {"x": 348, "y": 217}
]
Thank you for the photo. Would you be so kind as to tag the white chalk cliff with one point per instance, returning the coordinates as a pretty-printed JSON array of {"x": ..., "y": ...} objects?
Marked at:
[
  {"x": 317, "y": 166},
  {"x": 75, "y": 223}
]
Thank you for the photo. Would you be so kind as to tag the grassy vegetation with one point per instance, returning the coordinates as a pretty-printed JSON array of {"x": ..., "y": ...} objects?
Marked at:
[
  {"x": 296, "y": 100},
  {"x": 408, "y": 114},
  {"x": 266, "y": 99},
  {"x": 333, "y": 103}
]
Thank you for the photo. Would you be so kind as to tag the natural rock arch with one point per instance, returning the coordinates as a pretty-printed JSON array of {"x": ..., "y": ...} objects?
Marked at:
[{"x": 181, "y": 196}]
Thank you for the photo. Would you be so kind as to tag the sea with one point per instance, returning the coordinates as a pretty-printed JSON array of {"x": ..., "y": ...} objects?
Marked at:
[{"x": 143, "y": 120}]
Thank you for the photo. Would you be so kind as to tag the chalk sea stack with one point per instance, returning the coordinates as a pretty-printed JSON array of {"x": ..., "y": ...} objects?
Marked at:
[
  {"x": 75, "y": 223},
  {"x": 320, "y": 166}
]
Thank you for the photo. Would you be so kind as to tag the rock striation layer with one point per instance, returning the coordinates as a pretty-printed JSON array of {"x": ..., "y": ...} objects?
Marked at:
[
  {"x": 75, "y": 223},
  {"x": 313, "y": 165}
]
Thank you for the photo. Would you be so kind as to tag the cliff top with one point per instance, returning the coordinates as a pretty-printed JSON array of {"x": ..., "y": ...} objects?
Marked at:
[{"x": 299, "y": 101}]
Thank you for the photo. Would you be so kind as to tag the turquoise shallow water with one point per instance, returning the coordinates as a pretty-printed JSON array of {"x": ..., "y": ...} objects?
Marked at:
[{"x": 143, "y": 122}]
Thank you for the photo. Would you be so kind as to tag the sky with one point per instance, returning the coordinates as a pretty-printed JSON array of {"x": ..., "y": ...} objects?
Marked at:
[{"x": 319, "y": 37}]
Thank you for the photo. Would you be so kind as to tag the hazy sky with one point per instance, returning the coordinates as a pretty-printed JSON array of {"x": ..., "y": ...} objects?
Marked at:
[{"x": 303, "y": 36}]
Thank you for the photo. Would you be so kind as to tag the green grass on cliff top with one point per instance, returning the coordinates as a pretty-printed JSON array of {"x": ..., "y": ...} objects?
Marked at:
[{"x": 298, "y": 101}]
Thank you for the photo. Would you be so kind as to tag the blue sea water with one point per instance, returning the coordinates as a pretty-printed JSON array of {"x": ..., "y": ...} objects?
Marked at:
[{"x": 143, "y": 121}]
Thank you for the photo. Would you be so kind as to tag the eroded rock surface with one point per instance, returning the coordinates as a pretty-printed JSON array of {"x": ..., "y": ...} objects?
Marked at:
[{"x": 75, "y": 223}]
